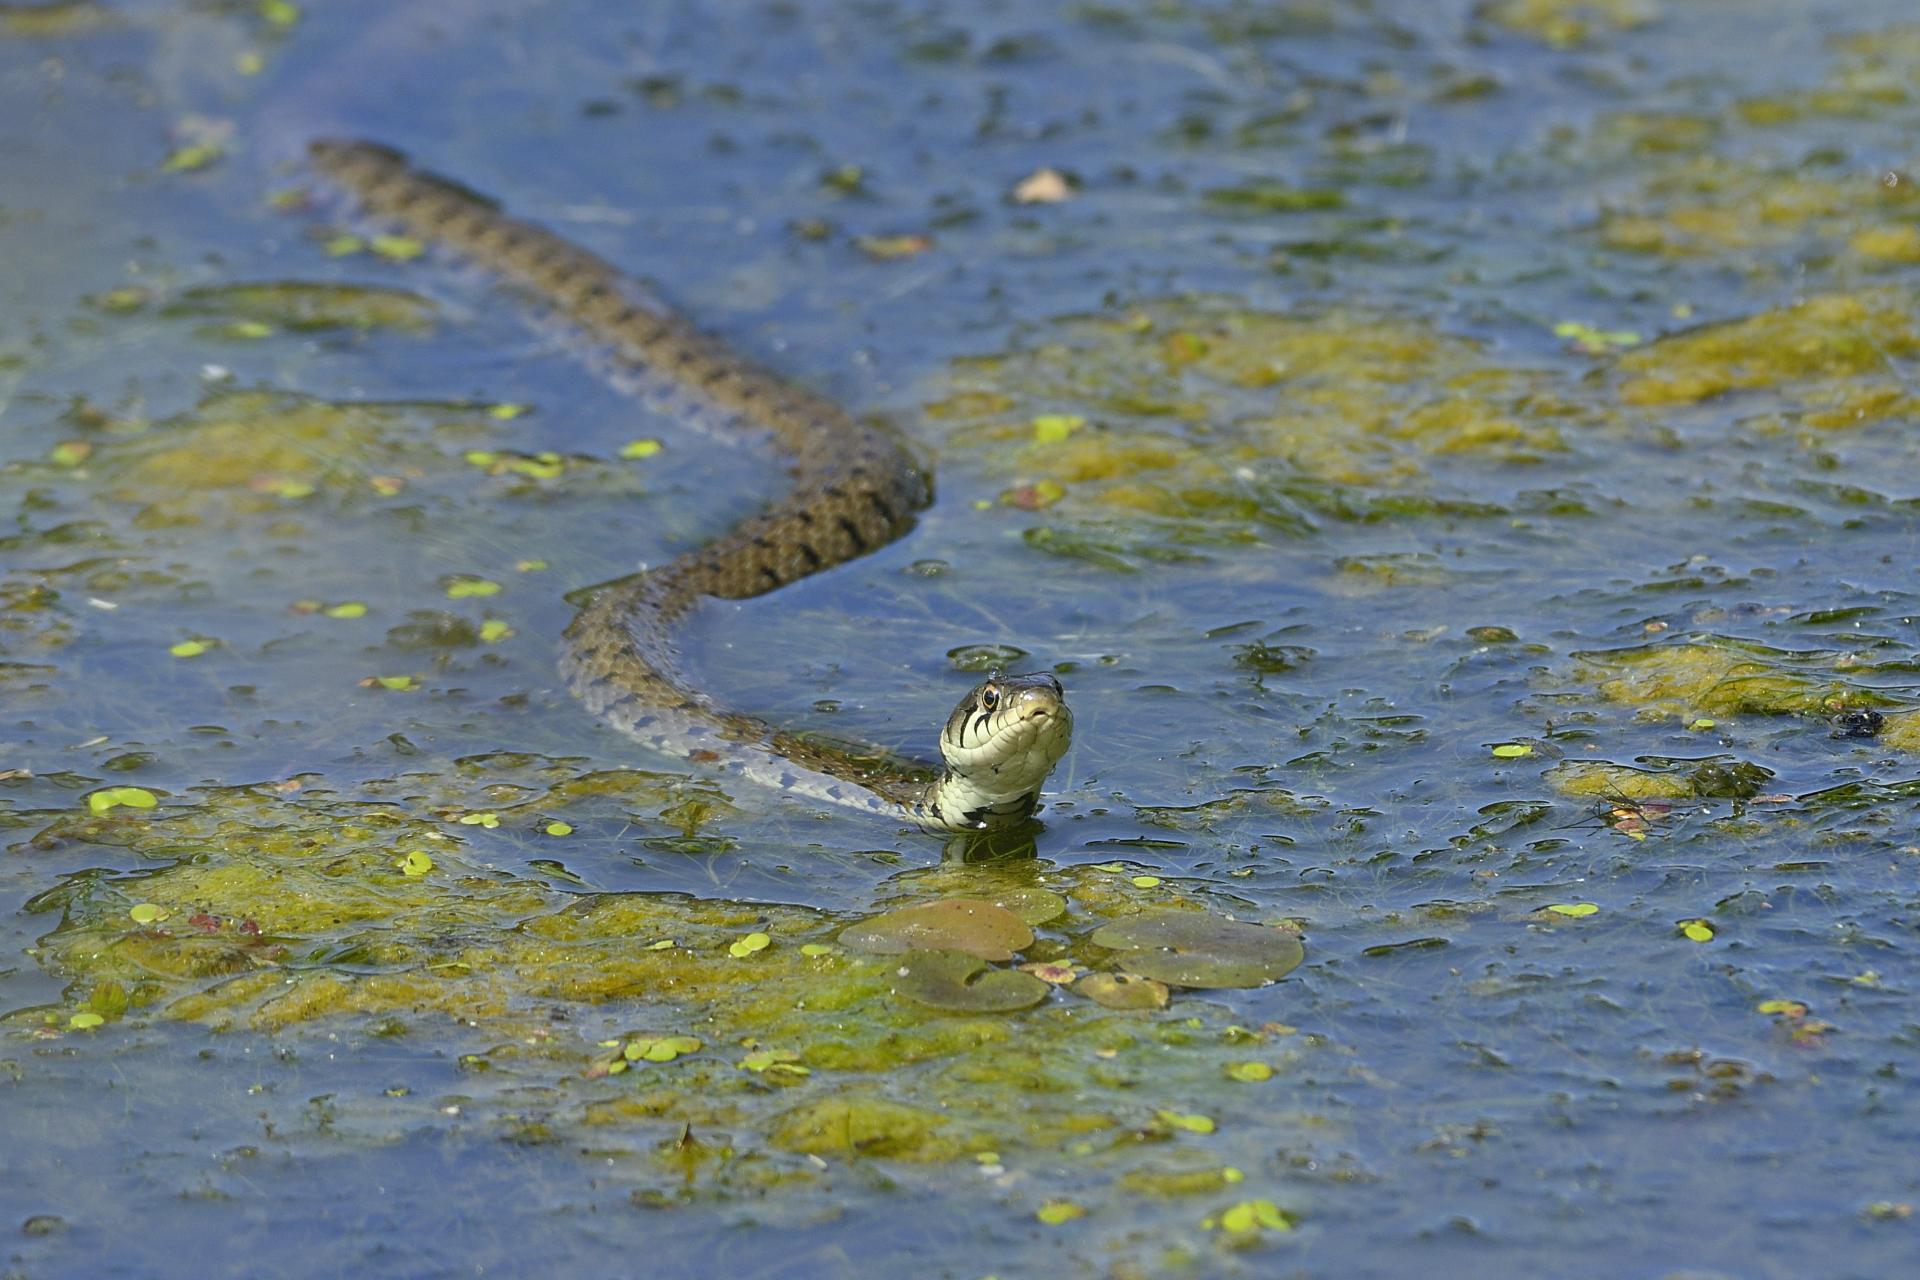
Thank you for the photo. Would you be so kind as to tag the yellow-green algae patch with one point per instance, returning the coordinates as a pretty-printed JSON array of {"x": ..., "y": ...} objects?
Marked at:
[
  {"x": 1875, "y": 73},
  {"x": 303, "y": 306},
  {"x": 1837, "y": 354},
  {"x": 1715, "y": 205},
  {"x": 239, "y": 453},
  {"x": 60, "y": 18},
  {"x": 1567, "y": 23},
  {"x": 274, "y": 911},
  {"x": 1719, "y": 676},
  {"x": 1206, "y": 420}
]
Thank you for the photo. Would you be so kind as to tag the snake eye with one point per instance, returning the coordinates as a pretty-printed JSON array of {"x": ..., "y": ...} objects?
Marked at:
[{"x": 989, "y": 698}]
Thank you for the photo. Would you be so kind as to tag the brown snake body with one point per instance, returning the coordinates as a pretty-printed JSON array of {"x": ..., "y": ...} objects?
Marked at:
[{"x": 853, "y": 488}]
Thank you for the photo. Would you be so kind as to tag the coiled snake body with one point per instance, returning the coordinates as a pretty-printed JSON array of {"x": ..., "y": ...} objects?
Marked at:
[{"x": 854, "y": 488}]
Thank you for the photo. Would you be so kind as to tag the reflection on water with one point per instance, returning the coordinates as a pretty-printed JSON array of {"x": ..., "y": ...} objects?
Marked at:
[{"x": 1456, "y": 456}]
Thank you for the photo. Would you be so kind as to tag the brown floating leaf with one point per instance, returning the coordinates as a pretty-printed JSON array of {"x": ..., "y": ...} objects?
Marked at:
[
  {"x": 968, "y": 925},
  {"x": 1124, "y": 991},
  {"x": 1192, "y": 949},
  {"x": 958, "y": 981}
]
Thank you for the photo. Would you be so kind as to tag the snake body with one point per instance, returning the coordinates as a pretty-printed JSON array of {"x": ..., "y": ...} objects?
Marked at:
[{"x": 853, "y": 488}]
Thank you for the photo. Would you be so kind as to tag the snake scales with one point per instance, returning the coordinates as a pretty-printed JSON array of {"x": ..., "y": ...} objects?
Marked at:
[{"x": 853, "y": 488}]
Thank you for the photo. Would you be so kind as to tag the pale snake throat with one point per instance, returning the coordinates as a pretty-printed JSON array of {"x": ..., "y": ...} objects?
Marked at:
[{"x": 853, "y": 489}]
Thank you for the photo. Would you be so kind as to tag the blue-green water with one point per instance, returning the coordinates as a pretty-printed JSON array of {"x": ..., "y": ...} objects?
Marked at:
[{"x": 1360, "y": 566}]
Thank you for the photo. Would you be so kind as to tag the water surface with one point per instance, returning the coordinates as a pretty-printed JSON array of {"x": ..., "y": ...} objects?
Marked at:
[{"x": 1459, "y": 458}]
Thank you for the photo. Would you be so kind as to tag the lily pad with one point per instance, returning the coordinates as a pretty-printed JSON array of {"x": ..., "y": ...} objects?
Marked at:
[
  {"x": 966, "y": 984},
  {"x": 969, "y": 925},
  {"x": 1032, "y": 903},
  {"x": 1124, "y": 991},
  {"x": 1191, "y": 949}
]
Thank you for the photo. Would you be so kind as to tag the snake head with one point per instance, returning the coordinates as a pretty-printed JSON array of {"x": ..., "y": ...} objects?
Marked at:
[{"x": 999, "y": 745}]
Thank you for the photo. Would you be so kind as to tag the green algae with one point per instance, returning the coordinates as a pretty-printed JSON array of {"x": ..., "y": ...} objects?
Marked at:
[
  {"x": 307, "y": 307},
  {"x": 57, "y": 18},
  {"x": 1210, "y": 423},
  {"x": 1605, "y": 780},
  {"x": 1720, "y": 676},
  {"x": 1836, "y": 354},
  {"x": 275, "y": 910},
  {"x": 1569, "y": 23},
  {"x": 1713, "y": 205}
]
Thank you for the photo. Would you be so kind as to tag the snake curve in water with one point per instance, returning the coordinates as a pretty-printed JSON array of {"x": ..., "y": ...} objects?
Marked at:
[{"x": 853, "y": 489}]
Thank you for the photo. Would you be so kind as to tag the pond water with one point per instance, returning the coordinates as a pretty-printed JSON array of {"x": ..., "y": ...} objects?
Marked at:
[{"x": 1459, "y": 457}]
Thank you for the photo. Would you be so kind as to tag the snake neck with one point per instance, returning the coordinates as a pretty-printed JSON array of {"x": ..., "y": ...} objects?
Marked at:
[{"x": 955, "y": 803}]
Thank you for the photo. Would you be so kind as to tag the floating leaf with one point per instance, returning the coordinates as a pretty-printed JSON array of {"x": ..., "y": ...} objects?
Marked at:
[
  {"x": 281, "y": 13},
  {"x": 639, "y": 449},
  {"x": 659, "y": 1048},
  {"x": 1697, "y": 930},
  {"x": 1577, "y": 910},
  {"x": 189, "y": 648},
  {"x": 1782, "y": 1008},
  {"x": 85, "y": 1021},
  {"x": 1192, "y": 1123},
  {"x": 493, "y": 631},
  {"x": 341, "y": 245},
  {"x": 964, "y": 983},
  {"x": 529, "y": 566},
  {"x": 465, "y": 588},
  {"x": 415, "y": 864},
  {"x": 487, "y": 820},
  {"x": 1249, "y": 1072},
  {"x": 1195, "y": 949},
  {"x": 1255, "y": 1215},
  {"x": 775, "y": 1063},
  {"x": 397, "y": 683},
  {"x": 1031, "y": 902},
  {"x": 70, "y": 453},
  {"x": 748, "y": 945},
  {"x": 1052, "y": 972},
  {"x": 193, "y": 156},
  {"x": 506, "y": 411},
  {"x": 1144, "y": 882},
  {"x": 1512, "y": 751},
  {"x": 351, "y": 609},
  {"x": 1701, "y": 725},
  {"x": 1055, "y": 1212},
  {"x": 813, "y": 950},
  {"x": 398, "y": 248},
  {"x": 1123, "y": 991},
  {"x": 558, "y": 828},
  {"x": 1052, "y": 428},
  {"x": 1590, "y": 341},
  {"x": 665, "y": 944},
  {"x": 972, "y": 925},
  {"x": 115, "y": 797},
  {"x": 1032, "y": 497},
  {"x": 147, "y": 913}
]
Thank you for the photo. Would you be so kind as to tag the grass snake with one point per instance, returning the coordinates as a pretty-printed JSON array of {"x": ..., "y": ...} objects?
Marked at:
[{"x": 853, "y": 488}]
